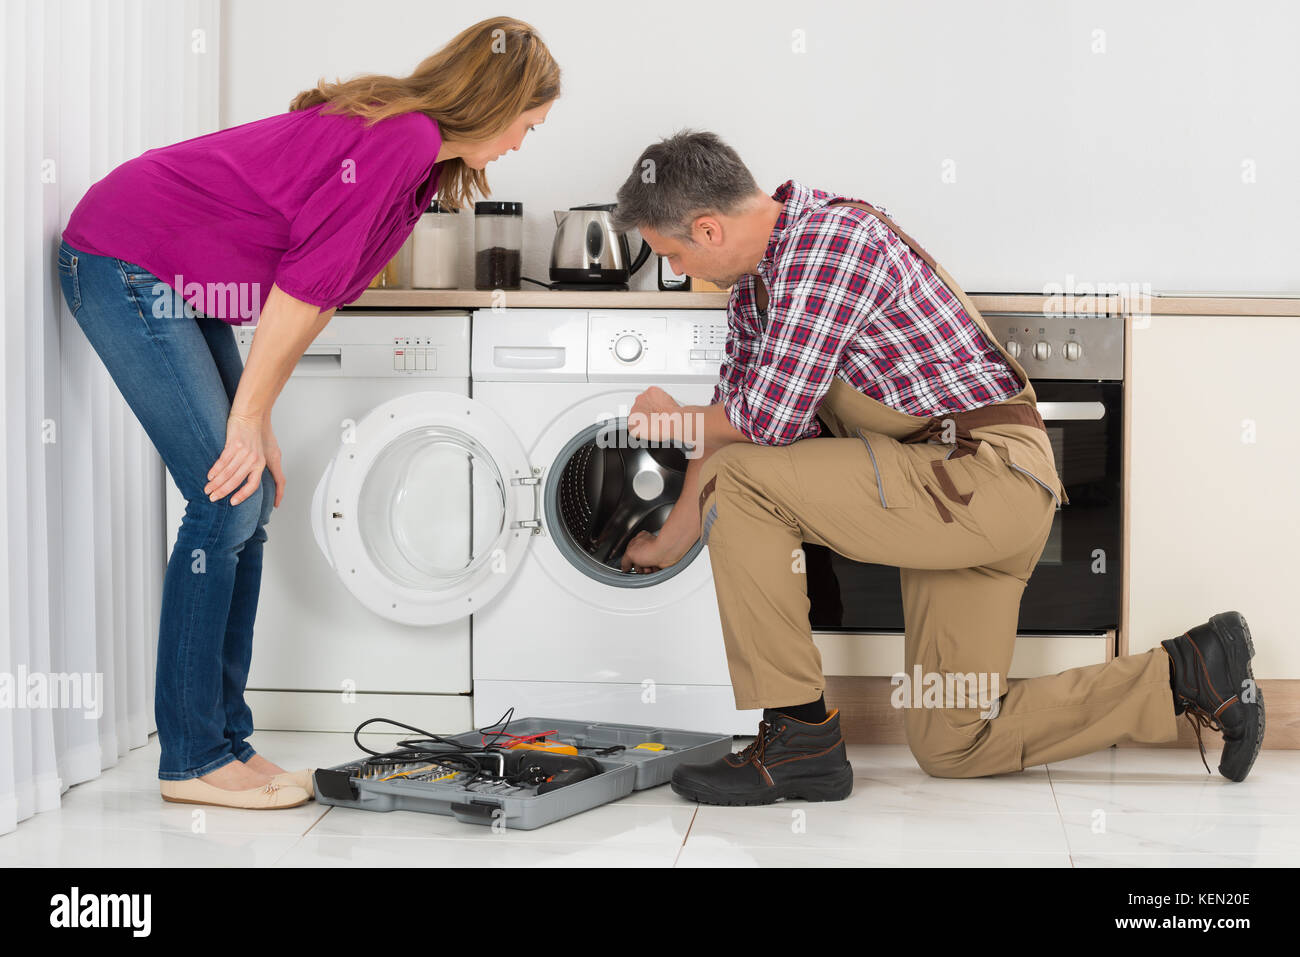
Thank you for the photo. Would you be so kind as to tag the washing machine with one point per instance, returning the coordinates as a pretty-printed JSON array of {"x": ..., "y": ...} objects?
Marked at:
[
  {"x": 569, "y": 633},
  {"x": 511, "y": 509},
  {"x": 322, "y": 659}
]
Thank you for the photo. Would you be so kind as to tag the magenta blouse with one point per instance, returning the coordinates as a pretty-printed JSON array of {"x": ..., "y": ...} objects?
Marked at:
[{"x": 315, "y": 203}]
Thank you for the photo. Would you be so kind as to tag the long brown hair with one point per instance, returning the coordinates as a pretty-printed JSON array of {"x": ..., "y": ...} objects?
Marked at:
[{"x": 474, "y": 87}]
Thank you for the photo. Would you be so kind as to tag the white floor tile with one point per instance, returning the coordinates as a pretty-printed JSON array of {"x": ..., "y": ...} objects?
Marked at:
[
  {"x": 1205, "y": 861},
  {"x": 1026, "y": 791},
  {"x": 146, "y": 810},
  {"x": 1174, "y": 782},
  {"x": 1156, "y": 807},
  {"x": 1094, "y": 830},
  {"x": 326, "y": 850},
  {"x": 1270, "y": 768},
  {"x": 856, "y": 823},
  {"x": 708, "y": 853},
  {"x": 612, "y": 824},
  {"x": 1175, "y": 795},
  {"x": 37, "y": 843}
]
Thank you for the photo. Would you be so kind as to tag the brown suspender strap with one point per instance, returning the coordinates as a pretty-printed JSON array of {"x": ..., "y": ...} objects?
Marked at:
[
  {"x": 939, "y": 271},
  {"x": 868, "y": 208},
  {"x": 1018, "y": 414}
]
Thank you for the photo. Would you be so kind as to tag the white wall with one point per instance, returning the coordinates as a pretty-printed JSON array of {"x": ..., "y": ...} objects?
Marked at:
[{"x": 1117, "y": 166}]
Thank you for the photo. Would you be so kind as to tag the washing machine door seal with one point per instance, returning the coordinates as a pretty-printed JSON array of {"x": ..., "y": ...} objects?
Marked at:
[{"x": 427, "y": 508}]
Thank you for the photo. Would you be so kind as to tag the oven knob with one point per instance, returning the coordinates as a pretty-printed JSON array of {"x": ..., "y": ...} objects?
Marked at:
[
  {"x": 1073, "y": 350},
  {"x": 627, "y": 348},
  {"x": 1013, "y": 348},
  {"x": 1042, "y": 350}
]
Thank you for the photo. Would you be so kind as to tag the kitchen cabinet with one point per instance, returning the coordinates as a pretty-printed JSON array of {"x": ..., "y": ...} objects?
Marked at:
[{"x": 1212, "y": 478}]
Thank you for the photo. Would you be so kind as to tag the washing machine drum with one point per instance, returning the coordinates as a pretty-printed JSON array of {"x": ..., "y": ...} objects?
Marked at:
[{"x": 608, "y": 492}]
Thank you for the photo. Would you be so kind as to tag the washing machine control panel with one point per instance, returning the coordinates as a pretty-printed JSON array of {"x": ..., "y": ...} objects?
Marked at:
[
  {"x": 418, "y": 344},
  {"x": 414, "y": 354},
  {"x": 673, "y": 344}
]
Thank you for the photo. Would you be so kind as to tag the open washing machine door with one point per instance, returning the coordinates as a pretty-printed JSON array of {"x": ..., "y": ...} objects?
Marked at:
[{"x": 427, "y": 508}]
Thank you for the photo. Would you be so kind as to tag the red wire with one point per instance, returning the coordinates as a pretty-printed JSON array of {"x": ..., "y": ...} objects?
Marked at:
[{"x": 518, "y": 739}]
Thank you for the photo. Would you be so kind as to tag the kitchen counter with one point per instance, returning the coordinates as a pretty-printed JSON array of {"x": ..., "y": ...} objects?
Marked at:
[
  {"x": 634, "y": 299},
  {"x": 537, "y": 299}
]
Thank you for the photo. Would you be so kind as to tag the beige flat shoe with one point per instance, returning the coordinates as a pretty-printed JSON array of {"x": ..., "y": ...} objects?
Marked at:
[
  {"x": 273, "y": 796},
  {"x": 304, "y": 779}
]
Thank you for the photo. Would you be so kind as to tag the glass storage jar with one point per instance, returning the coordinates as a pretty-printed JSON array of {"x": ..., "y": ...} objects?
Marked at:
[
  {"x": 435, "y": 249},
  {"x": 498, "y": 244}
]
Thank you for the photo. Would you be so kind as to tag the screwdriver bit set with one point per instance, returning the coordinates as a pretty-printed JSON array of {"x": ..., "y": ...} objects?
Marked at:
[{"x": 532, "y": 772}]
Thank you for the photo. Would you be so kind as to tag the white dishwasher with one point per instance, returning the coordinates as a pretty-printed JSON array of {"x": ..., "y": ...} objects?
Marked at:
[{"x": 322, "y": 661}]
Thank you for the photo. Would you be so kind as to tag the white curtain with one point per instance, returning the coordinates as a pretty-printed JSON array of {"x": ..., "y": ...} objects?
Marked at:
[{"x": 87, "y": 85}]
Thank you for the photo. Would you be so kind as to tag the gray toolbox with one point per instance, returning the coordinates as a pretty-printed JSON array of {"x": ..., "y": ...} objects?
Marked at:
[{"x": 632, "y": 769}]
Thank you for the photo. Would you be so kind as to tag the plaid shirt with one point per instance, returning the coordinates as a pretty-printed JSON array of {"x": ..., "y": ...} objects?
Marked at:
[{"x": 847, "y": 298}]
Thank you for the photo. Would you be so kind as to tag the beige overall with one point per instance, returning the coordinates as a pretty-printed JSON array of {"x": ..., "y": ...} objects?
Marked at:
[{"x": 962, "y": 504}]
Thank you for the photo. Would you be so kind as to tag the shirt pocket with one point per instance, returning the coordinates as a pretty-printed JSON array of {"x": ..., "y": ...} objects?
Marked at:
[{"x": 895, "y": 481}]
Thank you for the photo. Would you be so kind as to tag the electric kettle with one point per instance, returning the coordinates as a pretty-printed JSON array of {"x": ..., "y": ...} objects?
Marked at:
[{"x": 589, "y": 253}]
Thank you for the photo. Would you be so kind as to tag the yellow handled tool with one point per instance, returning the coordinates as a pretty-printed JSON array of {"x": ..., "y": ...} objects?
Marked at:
[{"x": 550, "y": 747}]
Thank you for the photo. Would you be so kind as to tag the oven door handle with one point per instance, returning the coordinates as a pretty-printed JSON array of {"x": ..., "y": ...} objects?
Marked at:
[{"x": 1055, "y": 411}]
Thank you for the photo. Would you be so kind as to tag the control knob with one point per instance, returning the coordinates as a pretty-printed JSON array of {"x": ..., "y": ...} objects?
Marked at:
[{"x": 627, "y": 348}]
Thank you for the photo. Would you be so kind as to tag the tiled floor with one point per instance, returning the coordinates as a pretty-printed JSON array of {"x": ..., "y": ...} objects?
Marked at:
[{"x": 1117, "y": 807}]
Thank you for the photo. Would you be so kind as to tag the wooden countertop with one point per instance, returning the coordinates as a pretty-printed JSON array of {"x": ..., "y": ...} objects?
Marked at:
[
  {"x": 537, "y": 299},
  {"x": 985, "y": 302}
]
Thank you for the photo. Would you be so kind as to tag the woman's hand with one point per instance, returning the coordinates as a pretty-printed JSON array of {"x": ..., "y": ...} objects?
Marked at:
[
  {"x": 273, "y": 461},
  {"x": 250, "y": 446}
]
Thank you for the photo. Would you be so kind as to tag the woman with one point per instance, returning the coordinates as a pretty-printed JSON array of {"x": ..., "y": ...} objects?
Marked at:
[{"x": 296, "y": 214}]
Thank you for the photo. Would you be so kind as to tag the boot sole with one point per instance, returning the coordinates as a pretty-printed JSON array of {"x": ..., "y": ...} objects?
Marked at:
[
  {"x": 835, "y": 787},
  {"x": 1225, "y": 625}
]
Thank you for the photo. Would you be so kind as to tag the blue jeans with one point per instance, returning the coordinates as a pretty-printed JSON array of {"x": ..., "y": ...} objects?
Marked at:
[{"x": 178, "y": 371}]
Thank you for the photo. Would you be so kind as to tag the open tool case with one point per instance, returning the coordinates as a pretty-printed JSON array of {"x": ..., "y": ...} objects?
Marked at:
[{"x": 637, "y": 758}]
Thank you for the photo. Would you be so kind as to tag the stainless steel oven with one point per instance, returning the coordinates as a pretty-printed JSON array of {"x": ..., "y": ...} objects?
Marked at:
[{"x": 1076, "y": 365}]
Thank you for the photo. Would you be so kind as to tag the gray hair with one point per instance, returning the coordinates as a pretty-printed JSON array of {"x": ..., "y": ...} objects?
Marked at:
[{"x": 680, "y": 178}]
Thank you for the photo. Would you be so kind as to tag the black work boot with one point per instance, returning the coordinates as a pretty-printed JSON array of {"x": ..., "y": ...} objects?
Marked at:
[
  {"x": 788, "y": 759},
  {"x": 1214, "y": 687}
]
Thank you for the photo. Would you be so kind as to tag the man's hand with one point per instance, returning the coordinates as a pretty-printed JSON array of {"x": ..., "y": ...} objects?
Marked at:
[
  {"x": 648, "y": 552},
  {"x": 655, "y": 417},
  {"x": 656, "y": 413}
]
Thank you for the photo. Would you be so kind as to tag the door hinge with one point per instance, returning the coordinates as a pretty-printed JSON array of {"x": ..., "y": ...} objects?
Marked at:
[{"x": 535, "y": 480}]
